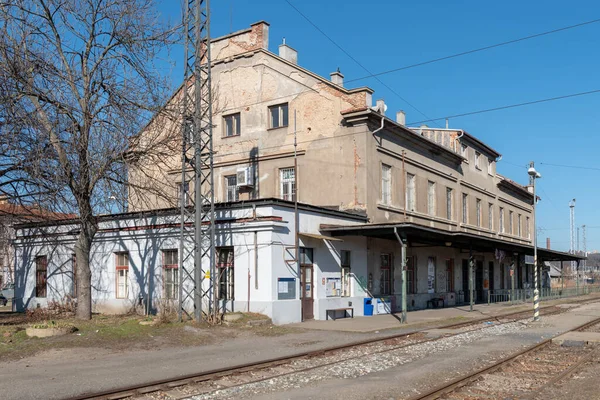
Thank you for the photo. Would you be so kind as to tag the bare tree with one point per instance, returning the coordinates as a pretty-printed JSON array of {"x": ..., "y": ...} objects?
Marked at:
[{"x": 78, "y": 83}]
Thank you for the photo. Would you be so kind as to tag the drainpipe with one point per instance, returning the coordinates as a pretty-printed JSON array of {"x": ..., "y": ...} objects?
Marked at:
[
  {"x": 403, "y": 266},
  {"x": 381, "y": 127},
  {"x": 460, "y": 135}
]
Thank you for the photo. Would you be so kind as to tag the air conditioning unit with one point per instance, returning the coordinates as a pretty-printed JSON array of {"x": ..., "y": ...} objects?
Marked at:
[{"x": 245, "y": 177}]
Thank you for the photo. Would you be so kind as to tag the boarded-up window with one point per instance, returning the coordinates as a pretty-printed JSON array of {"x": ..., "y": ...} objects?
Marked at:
[
  {"x": 450, "y": 275},
  {"x": 345, "y": 264},
  {"x": 41, "y": 275},
  {"x": 411, "y": 276},
  {"x": 122, "y": 270},
  {"x": 171, "y": 274}
]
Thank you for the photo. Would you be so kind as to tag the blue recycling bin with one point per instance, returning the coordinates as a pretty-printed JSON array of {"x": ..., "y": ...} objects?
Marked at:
[{"x": 368, "y": 303}]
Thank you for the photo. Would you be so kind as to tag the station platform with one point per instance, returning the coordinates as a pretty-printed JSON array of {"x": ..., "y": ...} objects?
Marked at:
[{"x": 431, "y": 318}]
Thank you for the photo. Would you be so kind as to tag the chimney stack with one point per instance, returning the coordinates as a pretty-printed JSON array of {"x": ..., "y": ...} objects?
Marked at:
[
  {"x": 548, "y": 243},
  {"x": 337, "y": 78},
  {"x": 287, "y": 53},
  {"x": 401, "y": 117}
]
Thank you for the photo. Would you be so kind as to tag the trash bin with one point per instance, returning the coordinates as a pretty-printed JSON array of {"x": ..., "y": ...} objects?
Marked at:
[{"x": 368, "y": 302}]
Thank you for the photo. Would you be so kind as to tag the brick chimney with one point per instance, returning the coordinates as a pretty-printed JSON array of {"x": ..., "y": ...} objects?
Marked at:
[
  {"x": 337, "y": 78},
  {"x": 401, "y": 117},
  {"x": 548, "y": 243}
]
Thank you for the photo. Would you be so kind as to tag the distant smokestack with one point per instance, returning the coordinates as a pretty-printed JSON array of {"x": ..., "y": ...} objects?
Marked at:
[{"x": 548, "y": 243}]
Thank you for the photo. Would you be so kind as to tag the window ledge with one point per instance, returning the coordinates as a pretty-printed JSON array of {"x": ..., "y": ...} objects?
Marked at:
[
  {"x": 231, "y": 137},
  {"x": 278, "y": 127},
  {"x": 415, "y": 214}
]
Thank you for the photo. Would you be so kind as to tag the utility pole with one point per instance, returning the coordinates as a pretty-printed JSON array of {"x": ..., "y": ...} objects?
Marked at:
[
  {"x": 197, "y": 277},
  {"x": 471, "y": 288},
  {"x": 572, "y": 231},
  {"x": 584, "y": 251},
  {"x": 533, "y": 175}
]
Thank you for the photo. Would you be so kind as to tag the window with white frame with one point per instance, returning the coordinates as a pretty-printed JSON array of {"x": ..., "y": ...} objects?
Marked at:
[
  {"x": 188, "y": 131},
  {"x": 490, "y": 166},
  {"x": 477, "y": 160},
  {"x": 122, "y": 270},
  {"x": 386, "y": 184},
  {"x": 463, "y": 151},
  {"x": 225, "y": 269},
  {"x": 490, "y": 216},
  {"x": 287, "y": 183},
  {"x": 231, "y": 188},
  {"x": 345, "y": 264},
  {"x": 171, "y": 274},
  {"x": 385, "y": 280},
  {"x": 411, "y": 195},
  {"x": 449, "y": 196},
  {"x": 527, "y": 228},
  {"x": 465, "y": 208},
  {"x": 231, "y": 125},
  {"x": 519, "y": 225},
  {"x": 478, "y": 210},
  {"x": 510, "y": 223},
  {"x": 431, "y": 206},
  {"x": 278, "y": 116},
  {"x": 501, "y": 216}
]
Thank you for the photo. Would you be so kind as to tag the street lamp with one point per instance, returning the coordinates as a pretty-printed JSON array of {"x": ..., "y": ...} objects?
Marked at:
[{"x": 533, "y": 175}]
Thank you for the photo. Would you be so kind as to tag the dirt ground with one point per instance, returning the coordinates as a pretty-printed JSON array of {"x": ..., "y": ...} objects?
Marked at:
[{"x": 122, "y": 332}]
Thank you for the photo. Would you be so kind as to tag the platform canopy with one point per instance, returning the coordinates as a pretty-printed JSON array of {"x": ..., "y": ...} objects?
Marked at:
[{"x": 422, "y": 236}]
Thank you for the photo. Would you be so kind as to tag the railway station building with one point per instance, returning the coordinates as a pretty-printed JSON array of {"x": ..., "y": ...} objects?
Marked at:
[{"x": 364, "y": 181}]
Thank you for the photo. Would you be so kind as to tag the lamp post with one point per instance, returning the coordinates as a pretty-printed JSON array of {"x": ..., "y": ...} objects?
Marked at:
[{"x": 533, "y": 175}]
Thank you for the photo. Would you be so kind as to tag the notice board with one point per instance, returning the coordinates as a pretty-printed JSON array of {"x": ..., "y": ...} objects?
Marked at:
[{"x": 286, "y": 288}]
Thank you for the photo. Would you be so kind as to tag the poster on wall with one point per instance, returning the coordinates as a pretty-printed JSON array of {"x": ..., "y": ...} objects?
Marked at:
[
  {"x": 286, "y": 288},
  {"x": 431, "y": 275},
  {"x": 333, "y": 287}
]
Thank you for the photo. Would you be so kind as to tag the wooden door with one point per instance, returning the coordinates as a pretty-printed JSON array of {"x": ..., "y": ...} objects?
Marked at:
[{"x": 307, "y": 292}]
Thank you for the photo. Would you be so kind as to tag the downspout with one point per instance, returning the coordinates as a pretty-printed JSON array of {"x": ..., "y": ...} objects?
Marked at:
[
  {"x": 403, "y": 266},
  {"x": 381, "y": 127},
  {"x": 460, "y": 135},
  {"x": 404, "y": 184}
]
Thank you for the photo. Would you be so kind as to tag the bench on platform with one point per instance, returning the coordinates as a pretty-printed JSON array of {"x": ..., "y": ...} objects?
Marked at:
[
  {"x": 435, "y": 303},
  {"x": 344, "y": 309}
]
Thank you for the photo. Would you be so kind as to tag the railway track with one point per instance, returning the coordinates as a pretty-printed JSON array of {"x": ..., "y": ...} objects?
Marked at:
[
  {"x": 519, "y": 375},
  {"x": 211, "y": 381}
]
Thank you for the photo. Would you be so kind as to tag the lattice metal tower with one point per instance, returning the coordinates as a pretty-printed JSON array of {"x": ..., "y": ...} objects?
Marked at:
[{"x": 197, "y": 240}]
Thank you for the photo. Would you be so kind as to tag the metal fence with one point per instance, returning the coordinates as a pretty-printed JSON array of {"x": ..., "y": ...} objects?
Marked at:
[{"x": 526, "y": 295}]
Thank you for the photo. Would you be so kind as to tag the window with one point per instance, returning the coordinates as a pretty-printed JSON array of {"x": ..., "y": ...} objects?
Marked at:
[
  {"x": 225, "y": 271},
  {"x": 171, "y": 274},
  {"x": 231, "y": 125},
  {"x": 490, "y": 166},
  {"x": 463, "y": 151},
  {"x": 449, "y": 203},
  {"x": 411, "y": 276},
  {"x": 519, "y": 225},
  {"x": 449, "y": 275},
  {"x": 477, "y": 160},
  {"x": 287, "y": 179},
  {"x": 527, "y": 231},
  {"x": 431, "y": 206},
  {"x": 184, "y": 191},
  {"x": 41, "y": 275},
  {"x": 74, "y": 275},
  {"x": 385, "y": 281},
  {"x": 490, "y": 216},
  {"x": 189, "y": 130},
  {"x": 232, "y": 193},
  {"x": 386, "y": 184},
  {"x": 510, "y": 223},
  {"x": 122, "y": 267},
  {"x": 345, "y": 264},
  {"x": 278, "y": 116},
  {"x": 465, "y": 208},
  {"x": 478, "y": 210},
  {"x": 501, "y": 220},
  {"x": 410, "y": 192}
]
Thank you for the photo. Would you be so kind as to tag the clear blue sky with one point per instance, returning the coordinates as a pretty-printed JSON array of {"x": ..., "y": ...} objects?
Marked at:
[{"x": 391, "y": 34}]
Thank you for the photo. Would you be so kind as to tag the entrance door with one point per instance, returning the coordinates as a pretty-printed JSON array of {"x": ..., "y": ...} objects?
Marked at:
[
  {"x": 491, "y": 276},
  {"x": 479, "y": 281},
  {"x": 306, "y": 283},
  {"x": 465, "y": 280}
]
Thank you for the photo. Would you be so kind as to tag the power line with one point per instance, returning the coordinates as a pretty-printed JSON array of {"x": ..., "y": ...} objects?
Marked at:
[
  {"x": 509, "y": 106},
  {"x": 571, "y": 166},
  {"x": 464, "y": 53},
  {"x": 354, "y": 59}
]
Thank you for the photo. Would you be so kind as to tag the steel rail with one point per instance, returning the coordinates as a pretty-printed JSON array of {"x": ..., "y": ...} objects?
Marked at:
[
  {"x": 466, "y": 380},
  {"x": 167, "y": 383}
]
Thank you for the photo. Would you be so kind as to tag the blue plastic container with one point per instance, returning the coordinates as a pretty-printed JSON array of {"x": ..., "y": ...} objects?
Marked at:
[{"x": 368, "y": 303}]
